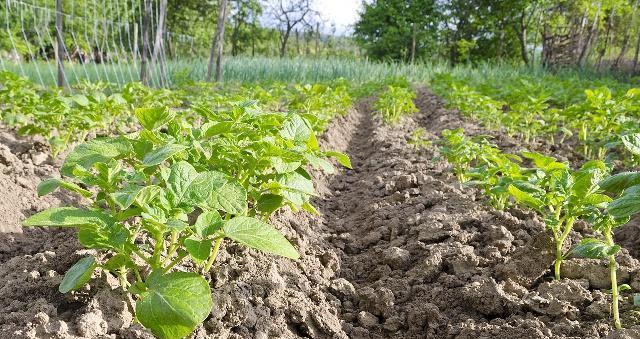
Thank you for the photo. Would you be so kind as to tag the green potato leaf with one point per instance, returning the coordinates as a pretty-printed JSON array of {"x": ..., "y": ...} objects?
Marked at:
[
  {"x": 619, "y": 182},
  {"x": 624, "y": 206},
  {"x": 49, "y": 185},
  {"x": 525, "y": 198},
  {"x": 161, "y": 154},
  {"x": 78, "y": 275},
  {"x": 174, "y": 304},
  {"x": 94, "y": 151},
  {"x": 594, "y": 249},
  {"x": 269, "y": 203},
  {"x": 216, "y": 191},
  {"x": 257, "y": 234},
  {"x": 342, "y": 158},
  {"x": 69, "y": 217},
  {"x": 208, "y": 223},
  {"x": 296, "y": 129},
  {"x": 199, "y": 250},
  {"x": 154, "y": 117}
]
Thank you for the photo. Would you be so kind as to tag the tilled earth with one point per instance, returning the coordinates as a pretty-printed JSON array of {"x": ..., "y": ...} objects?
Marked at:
[{"x": 400, "y": 250}]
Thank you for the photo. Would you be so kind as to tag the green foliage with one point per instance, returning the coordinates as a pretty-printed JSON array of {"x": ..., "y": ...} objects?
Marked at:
[
  {"x": 176, "y": 188},
  {"x": 395, "y": 102}
]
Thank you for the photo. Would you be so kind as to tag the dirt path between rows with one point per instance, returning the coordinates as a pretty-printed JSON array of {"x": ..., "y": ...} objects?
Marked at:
[{"x": 400, "y": 250}]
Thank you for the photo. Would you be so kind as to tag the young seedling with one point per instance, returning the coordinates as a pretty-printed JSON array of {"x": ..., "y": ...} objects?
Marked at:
[
  {"x": 561, "y": 196},
  {"x": 625, "y": 187},
  {"x": 605, "y": 249}
]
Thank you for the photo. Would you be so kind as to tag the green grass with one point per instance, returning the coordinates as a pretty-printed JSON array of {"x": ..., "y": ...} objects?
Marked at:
[
  {"x": 242, "y": 69},
  {"x": 294, "y": 70}
]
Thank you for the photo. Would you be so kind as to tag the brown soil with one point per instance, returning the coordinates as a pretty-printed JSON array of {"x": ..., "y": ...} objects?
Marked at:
[{"x": 400, "y": 250}]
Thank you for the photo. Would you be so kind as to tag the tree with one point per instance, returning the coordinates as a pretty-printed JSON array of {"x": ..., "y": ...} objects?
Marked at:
[
  {"x": 397, "y": 29},
  {"x": 244, "y": 18},
  {"x": 218, "y": 43},
  {"x": 288, "y": 14}
]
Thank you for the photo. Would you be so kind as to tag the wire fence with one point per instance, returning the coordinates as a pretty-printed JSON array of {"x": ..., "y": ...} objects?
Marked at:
[{"x": 94, "y": 41}]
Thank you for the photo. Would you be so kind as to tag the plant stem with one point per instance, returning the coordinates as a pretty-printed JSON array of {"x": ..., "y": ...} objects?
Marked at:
[
  {"x": 172, "y": 247},
  {"x": 123, "y": 285},
  {"x": 142, "y": 256},
  {"x": 174, "y": 262},
  {"x": 157, "y": 251},
  {"x": 614, "y": 283},
  {"x": 214, "y": 254},
  {"x": 559, "y": 244}
]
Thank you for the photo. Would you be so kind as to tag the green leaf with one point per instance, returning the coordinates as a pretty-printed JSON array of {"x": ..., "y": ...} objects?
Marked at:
[
  {"x": 342, "y": 158},
  {"x": 78, "y": 275},
  {"x": 296, "y": 128},
  {"x": 161, "y": 154},
  {"x": 269, "y": 203},
  {"x": 216, "y": 191},
  {"x": 624, "y": 206},
  {"x": 319, "y": 163},
  {"x": 154, "y": 117},
  {"x": 586, "y": 181},
  {"x": 597, "y": 199},
  {"x": 174, "y": 304},
  {"x": 632, "y": 142},
  {"x": 81, "y": 100},
  {"x": 296, "y": 187},
  {"x": 49, "y": 185},
  {"x": 180, "y": 178},
  {"x": 208, "y": 223},
  {"x": 219, "y": 128},
  {"x": 619, "y": 182},
  {"x": 147, "y": 194},
  {"x": 94, "y": 151},
  {"x": 594, "y": 249},
  {"x": 69, "y": 217},
  {"x": 113, "y": 237},
  {"x": 117, "y": 261},
  {"x": 199, "y": 250},
  {"x": 281, "y": 166},
  {"x": 125, "y": 198},
  {"x": 256, "y": 234},
  {"x": 525, "y": 198}
]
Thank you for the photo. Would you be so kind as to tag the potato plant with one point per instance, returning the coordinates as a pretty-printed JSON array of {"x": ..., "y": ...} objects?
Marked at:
[
  {"x": 394, "y": 102},
  {"x": 174, "y": 191}
]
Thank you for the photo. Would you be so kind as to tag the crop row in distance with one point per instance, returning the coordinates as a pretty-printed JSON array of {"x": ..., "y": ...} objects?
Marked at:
[{"x": 174, "y": 173}]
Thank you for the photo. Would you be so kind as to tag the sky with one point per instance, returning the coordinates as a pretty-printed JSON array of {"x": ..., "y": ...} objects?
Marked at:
[{"x": 344, "y": 13}]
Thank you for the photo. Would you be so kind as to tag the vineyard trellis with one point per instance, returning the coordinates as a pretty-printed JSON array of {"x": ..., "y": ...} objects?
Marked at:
[{"x": 113, "y": 41}]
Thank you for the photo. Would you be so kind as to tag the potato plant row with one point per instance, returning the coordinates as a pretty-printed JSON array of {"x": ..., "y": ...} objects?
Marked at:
[
  {"x": 560, "y": 195},
  {"x": 168, "y": 176},
  {"x": 602, "y": 122}
]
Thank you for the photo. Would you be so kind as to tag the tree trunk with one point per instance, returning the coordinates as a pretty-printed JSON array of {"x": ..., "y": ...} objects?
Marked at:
[
  {"x": 636, "y": 54},
  {"x": 283, "y": 41},
  {"x": 413, "y": 42},
  {"x": 159, "y": 41},
  {"x": 234, "y": 38},
  {"x": 218, "y": 43},
  {"x": 60, "y": 44},
  {"x": 587, "y": 44},
  {"x": 522, "y": 37},
  {"x": 603, "y": 51},
  {"x": 157, "y": 44},
  {"x": 317, "y": 38},
  {"x": 146, "y": 27},
  {"x": 626, "y": 38}
]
